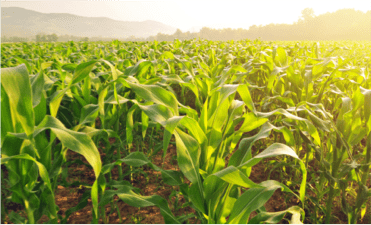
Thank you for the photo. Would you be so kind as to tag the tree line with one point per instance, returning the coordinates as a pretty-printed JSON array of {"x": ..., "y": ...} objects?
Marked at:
[
  {"x": 46, "y": 38},
  {"x": 344, "y": 24}
]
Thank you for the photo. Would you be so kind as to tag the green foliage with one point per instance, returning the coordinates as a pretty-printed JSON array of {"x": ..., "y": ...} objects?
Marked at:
[
  {"x": 46, "y": 38},
  {"x": 301, "y": 109}
]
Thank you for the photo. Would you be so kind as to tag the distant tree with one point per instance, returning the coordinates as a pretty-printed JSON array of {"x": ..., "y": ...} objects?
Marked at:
[
  {"x": 53, "y": 37},
  {"x": 85, "y": 39},
  {"x": 307, "y": 14},
  {"x": 187, "y": 35},
  {"x": 207, "y": 33},
  {"x": 46, "y": 38},
  {"x": 162, "y": 37},
  {"x": 14, "y": 39},
  {"x": 38, "y": 38},
  {"x": 178, "y": 34},
  {"x": 151, "y": 38},
  {"x": 41, "y": 38}
]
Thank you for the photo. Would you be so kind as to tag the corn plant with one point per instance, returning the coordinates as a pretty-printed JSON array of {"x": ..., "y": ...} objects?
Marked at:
[
  {"x": 201, "y": 153},
  {"x": 25, "y": 144},
  {"x": 228, "y": 104},
  {"x": 340, "y": 159}
]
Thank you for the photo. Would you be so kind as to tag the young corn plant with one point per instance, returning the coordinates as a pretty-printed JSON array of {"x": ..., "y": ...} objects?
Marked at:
[
  {"x": 311, "y": 96},
  {"x": 215, "y": 191},
  {"x": 26, "y": 150},
  {"x": 343, "y": 163}
]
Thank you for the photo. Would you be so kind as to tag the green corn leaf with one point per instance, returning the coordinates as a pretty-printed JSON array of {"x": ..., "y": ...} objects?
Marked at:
[
  {"x": 17, "y": 86},
  {"x": 37, "y": 89},
  {"x": 70, "y": 67},
  {"x": 55, "y": 101},
  {"x": 279, "y": 56},
  {"x": 16, "y": 218},
  {"x": 157, "y": 95},
  {"x": 6, "y": 116},
  {"x": 276, "y": 217},
  {"x": 24, "y": 61},
  {"x": 102, "y": 96},
  {"x": 156, "y": 112},
  {"x": 277, "y": 149},
  {"x": 187, "y": 122},
  {"x": 279, "y": 112},
  {"x": 78, "y": 142},
  {"x": 251, "y": 122},
  {"x": 188, "y": 153},
  {"x": 126, "y": 194},
  {"x": 233, "y": 175},
  {"x": 171, "y": 177},
  {"x": 113, "y": 69},
  {"x": 130, "y": 125},
  {"x": 42, "y": 171},
  {"x": 145, "y": 124},
  {"x": 140, "y": 68},
  {"x": 82, "y": 71},
  {"x": 251, "y": 200}
]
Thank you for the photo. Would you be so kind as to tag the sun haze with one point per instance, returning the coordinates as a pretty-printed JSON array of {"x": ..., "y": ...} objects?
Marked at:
[{"x": 193, "y": 15}]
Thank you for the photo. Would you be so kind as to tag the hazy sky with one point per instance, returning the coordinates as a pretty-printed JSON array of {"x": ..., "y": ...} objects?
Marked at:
[{"x": 187, "y": 14}]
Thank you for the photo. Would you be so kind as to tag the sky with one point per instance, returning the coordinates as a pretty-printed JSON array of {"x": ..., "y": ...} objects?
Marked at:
[{"x": 190, "y": 15}]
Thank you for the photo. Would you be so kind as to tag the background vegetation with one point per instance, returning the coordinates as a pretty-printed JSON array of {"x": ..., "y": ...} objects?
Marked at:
[
  {"x": 298, "y": 111},
  {"x": 344, "y": 24}
]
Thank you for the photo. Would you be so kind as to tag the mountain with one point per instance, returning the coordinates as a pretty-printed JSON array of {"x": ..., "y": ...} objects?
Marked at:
[{"x": 21, "y": 22}]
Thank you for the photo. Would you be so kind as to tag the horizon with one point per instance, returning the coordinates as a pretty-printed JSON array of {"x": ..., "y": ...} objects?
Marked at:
[{"x": 179, "y": 15}]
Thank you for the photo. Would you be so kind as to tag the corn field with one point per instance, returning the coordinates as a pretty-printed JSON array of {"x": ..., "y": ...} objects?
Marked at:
[{"x": 299, "y": 112}]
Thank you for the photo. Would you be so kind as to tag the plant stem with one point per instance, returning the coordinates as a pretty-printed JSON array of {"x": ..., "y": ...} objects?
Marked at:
[
  {"x": 329, "y": 204},
  {"x": 1, "y": 197},
  {"x": 118, "y": 149},
  {"x": 150, "y": 142},
  {"x": 118, "y": 212},
  {"x": 30, "y": 215},
  {"x": 119, "y": 166},
  {"x": 308, "y": 148},
  {"x": 335, "y": 166},
  {"x": 103, "y": 214},
  {"x": 366, "y": 168}
]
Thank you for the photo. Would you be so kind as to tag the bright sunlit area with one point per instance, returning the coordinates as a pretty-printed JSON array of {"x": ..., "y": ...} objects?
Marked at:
[{"x": 193, "y": 15}]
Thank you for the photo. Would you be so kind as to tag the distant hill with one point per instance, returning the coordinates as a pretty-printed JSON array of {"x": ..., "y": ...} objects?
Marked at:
[{"x": 21, "y": 22}]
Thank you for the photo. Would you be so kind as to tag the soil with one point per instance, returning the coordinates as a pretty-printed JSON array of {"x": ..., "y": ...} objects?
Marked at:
[{"x": 68, "y": 197}]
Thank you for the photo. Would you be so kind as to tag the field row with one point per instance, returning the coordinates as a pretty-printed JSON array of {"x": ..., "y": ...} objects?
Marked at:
[{"x": 303, "y": 109}]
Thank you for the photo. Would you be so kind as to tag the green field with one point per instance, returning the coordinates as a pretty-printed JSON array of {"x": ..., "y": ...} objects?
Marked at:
[{"x": 223, "y": 131}]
